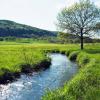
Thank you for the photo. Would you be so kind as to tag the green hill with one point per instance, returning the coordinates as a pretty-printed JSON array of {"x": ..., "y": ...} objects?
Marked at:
[{"x": 10, "y": 28}]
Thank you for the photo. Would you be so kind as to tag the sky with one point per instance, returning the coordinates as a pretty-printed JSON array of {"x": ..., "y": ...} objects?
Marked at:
[{"x": 36, "y": 13}]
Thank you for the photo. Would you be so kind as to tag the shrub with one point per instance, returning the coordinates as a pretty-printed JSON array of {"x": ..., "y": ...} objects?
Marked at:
[
  {"x": 73, "y": 55},
  {"x": 67, "y": 53}
]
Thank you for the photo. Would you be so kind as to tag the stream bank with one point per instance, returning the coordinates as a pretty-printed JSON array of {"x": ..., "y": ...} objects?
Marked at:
[
  {"x": 9, "y": 76},
  {"x": 34, "y": 87}
]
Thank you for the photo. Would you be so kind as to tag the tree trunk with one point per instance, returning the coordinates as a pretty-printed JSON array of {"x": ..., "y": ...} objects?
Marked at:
[{"x": 82, "y": 39}]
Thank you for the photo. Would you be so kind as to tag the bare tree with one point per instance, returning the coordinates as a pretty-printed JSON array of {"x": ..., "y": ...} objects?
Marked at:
[{"x": 79, "y": 19}]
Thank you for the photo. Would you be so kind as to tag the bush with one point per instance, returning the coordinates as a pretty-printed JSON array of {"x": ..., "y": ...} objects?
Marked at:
[
  {"x": 73, "y": 55},
  {"x": 67, "y": 53},
  {"x": 1, "y": 39}
]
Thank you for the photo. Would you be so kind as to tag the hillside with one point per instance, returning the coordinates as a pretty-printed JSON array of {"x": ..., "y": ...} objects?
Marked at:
[{"x": 10, "y": 28}]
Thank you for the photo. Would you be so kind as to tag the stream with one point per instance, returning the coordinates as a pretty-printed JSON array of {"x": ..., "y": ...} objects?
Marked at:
[{"x": 33, "y": 87}]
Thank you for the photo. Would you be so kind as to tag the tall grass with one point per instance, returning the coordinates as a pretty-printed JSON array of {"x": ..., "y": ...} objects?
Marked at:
[
  {"x": 11, "y": 58},
  {"x": 86, "y": 84}
]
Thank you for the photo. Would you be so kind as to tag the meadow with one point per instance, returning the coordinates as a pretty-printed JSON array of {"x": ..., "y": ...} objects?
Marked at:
[
  {"x": 14, "y": 55},
  {"x": 83, "y": 86}
]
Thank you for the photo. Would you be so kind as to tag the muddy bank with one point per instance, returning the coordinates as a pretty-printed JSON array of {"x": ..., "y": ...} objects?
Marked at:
[{"x": 9, "y": 77}]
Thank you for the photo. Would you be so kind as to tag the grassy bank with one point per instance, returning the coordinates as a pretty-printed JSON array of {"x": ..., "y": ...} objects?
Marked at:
[
  {"x": 16, "y": 59},
  {"x": 23, "y": 58},
  {"x": 86, "y": 84}
]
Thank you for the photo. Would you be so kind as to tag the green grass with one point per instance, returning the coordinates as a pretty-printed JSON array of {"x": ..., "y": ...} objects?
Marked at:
[
  {"x": 86, "y": 84},
  {"x": 13, "y": 59},
  {"x": 83, "y": 86},
  {"x": 13, "y": 55}
]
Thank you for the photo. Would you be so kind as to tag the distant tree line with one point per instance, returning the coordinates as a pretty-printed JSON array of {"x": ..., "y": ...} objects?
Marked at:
[
  {"x": 62, "y": 38},
  {"x": 71, "y": 38}
]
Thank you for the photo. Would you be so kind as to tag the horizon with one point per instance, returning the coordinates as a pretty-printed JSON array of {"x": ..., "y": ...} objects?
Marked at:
[{"x": 35, "y": 13}]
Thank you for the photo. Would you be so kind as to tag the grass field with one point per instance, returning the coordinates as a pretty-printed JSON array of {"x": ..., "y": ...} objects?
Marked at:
[{"x": 84, "y": 86}]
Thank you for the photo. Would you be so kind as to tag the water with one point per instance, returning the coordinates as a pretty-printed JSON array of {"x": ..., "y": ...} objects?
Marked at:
[{"x": 33, "y": 87}]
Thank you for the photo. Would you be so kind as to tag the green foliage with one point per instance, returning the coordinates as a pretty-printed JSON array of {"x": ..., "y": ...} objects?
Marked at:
[
  {"x": 73, "y": 55},
  {"x": 65, "y": 38},
  {"x": 86, "y": 84},
  {"x": 1, "y": 39}
]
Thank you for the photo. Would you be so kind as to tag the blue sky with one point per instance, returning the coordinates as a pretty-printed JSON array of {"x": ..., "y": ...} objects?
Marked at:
[{"x": 37, "y": 13}]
